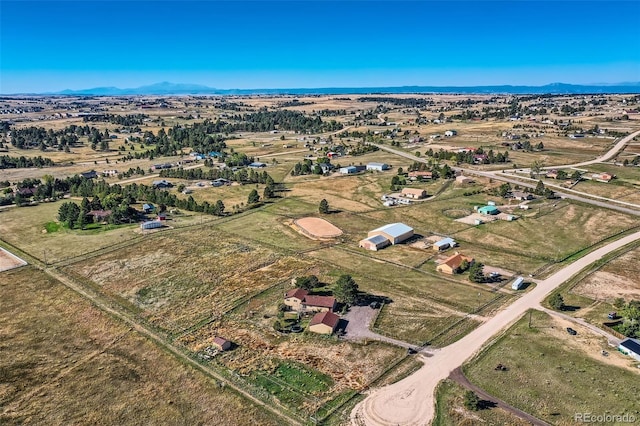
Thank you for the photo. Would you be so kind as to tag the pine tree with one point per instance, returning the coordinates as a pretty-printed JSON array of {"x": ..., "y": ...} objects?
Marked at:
[{"x": 323, "y": 208}]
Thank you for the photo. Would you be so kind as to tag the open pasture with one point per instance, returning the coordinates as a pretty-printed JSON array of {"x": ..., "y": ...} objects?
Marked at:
[
  {"x": 552, "y": 377},
  {"x": 66, "y": 362},
  {"x": 185, "y": 277}
]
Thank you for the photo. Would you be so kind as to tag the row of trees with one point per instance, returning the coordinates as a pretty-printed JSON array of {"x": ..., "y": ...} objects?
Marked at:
[
  {"x": 345, "y": 290},
  {"x": 7, "y": 162},
  {"x": 122, "y": 120},
  {"x": 242, "y": 175}
]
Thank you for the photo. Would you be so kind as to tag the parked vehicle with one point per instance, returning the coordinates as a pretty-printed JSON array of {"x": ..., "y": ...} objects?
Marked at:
[{"x": 571, "y": 331}]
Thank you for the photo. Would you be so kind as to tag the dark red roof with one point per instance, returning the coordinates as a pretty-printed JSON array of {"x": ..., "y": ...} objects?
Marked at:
[
  {"x": 220, "y": 341},
  {"x": 298, "y": 293},
  {"x": 320, "y": 301},
  {"x": 327, "y": 318}
]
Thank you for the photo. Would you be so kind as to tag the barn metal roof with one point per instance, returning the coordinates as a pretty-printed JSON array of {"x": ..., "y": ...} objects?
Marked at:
[
  {"x": 394, "y": 229},
  {"x": 631, "y": 345}
]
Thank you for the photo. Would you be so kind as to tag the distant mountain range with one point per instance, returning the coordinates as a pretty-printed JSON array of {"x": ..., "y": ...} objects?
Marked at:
[{"x": 166, "y": 88}]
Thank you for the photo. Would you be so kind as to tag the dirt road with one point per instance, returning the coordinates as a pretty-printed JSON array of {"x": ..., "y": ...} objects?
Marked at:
[{"x": 411, "y": 400}]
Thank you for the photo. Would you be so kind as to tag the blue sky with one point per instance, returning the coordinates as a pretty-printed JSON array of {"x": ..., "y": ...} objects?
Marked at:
[{"x": 52, "y": 45}]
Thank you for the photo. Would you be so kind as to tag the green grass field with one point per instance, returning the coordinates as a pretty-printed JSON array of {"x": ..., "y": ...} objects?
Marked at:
[{"x": 550, "y": 379}]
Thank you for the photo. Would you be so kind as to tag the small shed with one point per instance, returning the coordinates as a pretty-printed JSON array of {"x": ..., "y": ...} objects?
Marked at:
[
  {"x": 257, "y": 165},
  {"x": 444, "y": 244},
  {"x": 517, "y": 284},
  {"x": 152, "y": 224},
  {"x": 222, "y": 344},
  {"x": 148, "y": 207}
]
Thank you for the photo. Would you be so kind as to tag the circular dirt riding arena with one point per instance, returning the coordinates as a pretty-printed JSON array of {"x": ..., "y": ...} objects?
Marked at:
[{"x": 314, "y": 227}]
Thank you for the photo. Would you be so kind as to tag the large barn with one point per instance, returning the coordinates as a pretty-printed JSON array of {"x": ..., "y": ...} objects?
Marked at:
[{"x": 394, "y": 232}]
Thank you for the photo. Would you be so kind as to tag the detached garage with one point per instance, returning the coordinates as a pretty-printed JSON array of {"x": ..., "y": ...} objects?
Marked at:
[{"x": 394, "y": 232}]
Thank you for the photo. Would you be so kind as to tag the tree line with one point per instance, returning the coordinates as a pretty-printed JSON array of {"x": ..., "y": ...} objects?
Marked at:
[{"x": 7, "y": 162}]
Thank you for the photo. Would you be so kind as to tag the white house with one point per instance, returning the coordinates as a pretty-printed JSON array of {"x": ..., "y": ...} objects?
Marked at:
[{"x": 394, "y": 232}]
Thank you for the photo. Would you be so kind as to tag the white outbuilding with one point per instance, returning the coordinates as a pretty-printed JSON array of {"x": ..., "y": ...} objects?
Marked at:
[{"x": 394, "y": 232}]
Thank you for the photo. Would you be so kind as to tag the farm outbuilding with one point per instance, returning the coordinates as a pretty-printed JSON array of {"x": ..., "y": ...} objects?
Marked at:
[
  {"x": 394, "y": 232},
  {"x": 377, "y": 166},
  {"x": 324, "y": 323},
  {"x": 630, "y": 347},
  {"x": 414, "y": 193},
  {"x": 374, "y": 243},
  {"x": 517, "y": 284},
  {"x": 489, "y": 210},
  {"x": 222, "y": 344},
  {"x": 463, "y": 179},
  {"x": 152, "y": 224},
  {"x": 348, "y": 170},
  {"x": 444, "y": 244}
]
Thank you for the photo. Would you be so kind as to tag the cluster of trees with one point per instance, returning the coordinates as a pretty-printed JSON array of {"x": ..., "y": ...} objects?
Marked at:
[
  {"x": 7, "y": 162},
  {"x": 131, "y": 172},
  {"x": 264, "y": 121},
  {"x": 242, "y": 175},
  {"x": 469, "y": 156},
  {"x": 330, "y": 112},
  {"x": 41, "y": 138},
  {"x": 122, "y": 120},
  {"x": 404, "y": 102},
  {"x": 630, "y": 313},
  {"x": 362, "y": 148},
  {"x": 293, "y": 103},
  {"x": 323, "y": 207},
  {"x": 542, "y": 191},
  {"x": 306, "y": 167}
]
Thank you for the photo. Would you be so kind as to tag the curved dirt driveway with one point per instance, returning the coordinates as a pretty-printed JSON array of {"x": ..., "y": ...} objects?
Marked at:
[{"x": 411, "y": 400}]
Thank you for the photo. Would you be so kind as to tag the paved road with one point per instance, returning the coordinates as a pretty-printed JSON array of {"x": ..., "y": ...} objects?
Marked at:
[
  {"x": 411, "y": 400},
  {"x": 566, "y": 193}
]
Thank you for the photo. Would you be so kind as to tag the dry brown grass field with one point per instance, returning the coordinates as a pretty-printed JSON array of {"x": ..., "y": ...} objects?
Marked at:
[
  {"x": 181, "y": 278},
  {"x": 618, "y": 278},
  {"x": 66, "y": 362}
]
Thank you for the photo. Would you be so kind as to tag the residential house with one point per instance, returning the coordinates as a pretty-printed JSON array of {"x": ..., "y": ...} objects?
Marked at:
[
  {"x": 148, "y": 207},
  {"x": 300, "y": 300},
  {"x": 521, "y": 195},
  {"x": 420, "y": 175},
  {"x": 293, "y": 298},
  {"x": 162, "y": 184},
  {"x": 552, "y": 174},
  {"x": 452, "y": 264},
  {"x": 91, "y": 174},
  {"x": 312, "y": 303},
  {"x": 324, "y": 323},
  {"x": 257, "y": 165},
  {"x": 414, "y": 193},
  {"x": 99, "y": 215}
]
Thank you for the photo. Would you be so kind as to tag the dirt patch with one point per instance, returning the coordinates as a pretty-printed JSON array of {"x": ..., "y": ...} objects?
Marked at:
[
  {"x": 617, "y": 279},
  {"x": 316, "y": 228},
  {"x": 9, "y": 261}
]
